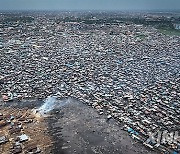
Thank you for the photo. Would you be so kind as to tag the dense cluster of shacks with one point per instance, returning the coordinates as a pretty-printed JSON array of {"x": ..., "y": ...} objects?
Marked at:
[{"x": 127, "y": 70}]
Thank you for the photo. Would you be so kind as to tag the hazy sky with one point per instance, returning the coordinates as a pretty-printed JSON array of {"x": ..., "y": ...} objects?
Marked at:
[{"x": 90, "y": 4}]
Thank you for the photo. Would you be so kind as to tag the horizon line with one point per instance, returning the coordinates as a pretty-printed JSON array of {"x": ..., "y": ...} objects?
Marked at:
[{"x": 95, "y": 10}]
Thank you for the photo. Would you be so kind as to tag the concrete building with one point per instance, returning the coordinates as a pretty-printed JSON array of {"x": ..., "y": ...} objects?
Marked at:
[{"x": 177, "y": 26}]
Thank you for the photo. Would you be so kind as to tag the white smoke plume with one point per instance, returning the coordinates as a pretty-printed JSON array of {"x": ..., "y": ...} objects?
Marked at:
[
  {"x": 49, "y": 105},
  {"x": 52, "y": 103}
]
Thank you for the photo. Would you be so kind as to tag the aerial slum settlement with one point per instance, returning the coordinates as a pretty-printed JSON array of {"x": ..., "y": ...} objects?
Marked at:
[{"x": 130, "y": 71}]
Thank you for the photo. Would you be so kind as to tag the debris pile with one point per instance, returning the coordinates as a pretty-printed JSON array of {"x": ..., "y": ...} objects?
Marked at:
[{"x": 22, "y": 133}]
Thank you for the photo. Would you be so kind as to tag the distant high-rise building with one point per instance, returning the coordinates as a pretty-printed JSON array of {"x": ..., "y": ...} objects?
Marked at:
[{"x": 177, "y": 26}]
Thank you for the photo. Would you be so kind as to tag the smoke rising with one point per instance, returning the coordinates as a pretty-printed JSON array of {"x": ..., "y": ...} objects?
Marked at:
[{"x": 52, "y": 103}]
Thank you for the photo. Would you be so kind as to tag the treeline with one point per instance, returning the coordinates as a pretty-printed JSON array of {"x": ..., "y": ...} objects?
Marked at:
[
  {"x": 158, "y": 23},
  {"x": 22, "y": 19}
]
